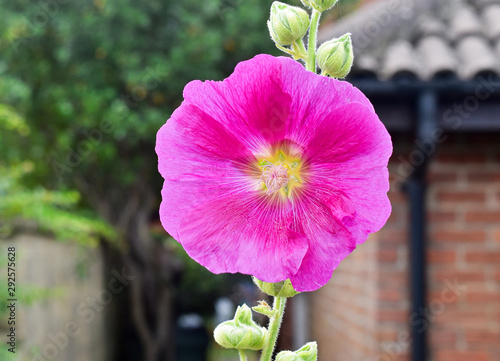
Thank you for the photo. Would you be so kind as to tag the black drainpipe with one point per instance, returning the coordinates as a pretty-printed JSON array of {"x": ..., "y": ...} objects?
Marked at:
[{"x": 416, "y": 190}]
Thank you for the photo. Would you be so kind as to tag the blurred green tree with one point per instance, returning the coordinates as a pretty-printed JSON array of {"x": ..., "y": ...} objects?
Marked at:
[{"x": 95, "y": 81}]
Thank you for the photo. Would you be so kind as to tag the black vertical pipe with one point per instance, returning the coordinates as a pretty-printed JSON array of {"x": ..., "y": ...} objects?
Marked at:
[{"x": 416, "y": 189}]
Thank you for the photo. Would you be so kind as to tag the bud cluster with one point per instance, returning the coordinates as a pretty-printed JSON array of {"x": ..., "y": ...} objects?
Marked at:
[{"x": 289, "y": 24}]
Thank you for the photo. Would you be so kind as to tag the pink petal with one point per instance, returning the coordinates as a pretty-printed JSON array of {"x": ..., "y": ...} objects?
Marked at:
[
  {"x": 329, "y": 242},
  {"x": 250, "y": 103},
  {"x": 313, "y": 97},
  {"x": 349, "y": 155},
  {"x": 200, "y": 161},
  {"x": 321, "y": 259},
  {"x": 247, "y": 233}
]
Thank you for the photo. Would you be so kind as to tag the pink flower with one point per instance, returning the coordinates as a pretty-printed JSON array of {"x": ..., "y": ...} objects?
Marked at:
[{"x": 274, "y": 172}]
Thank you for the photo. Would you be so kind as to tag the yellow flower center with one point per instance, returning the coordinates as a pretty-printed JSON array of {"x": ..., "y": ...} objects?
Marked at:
[{"x": 281, "y": 172}]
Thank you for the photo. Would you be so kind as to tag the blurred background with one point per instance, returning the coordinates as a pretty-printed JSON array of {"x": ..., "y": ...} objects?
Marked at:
[{"x": 84, "y": 87}]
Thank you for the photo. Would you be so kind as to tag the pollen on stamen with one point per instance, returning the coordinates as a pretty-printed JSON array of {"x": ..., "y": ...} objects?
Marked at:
[{"x": 274, "y": 177}]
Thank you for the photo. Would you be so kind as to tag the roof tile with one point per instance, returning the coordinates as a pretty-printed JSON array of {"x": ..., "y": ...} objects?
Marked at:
[
  {"x": 400, "y": 58},
  {"x": 438, "y": 57},
  {"x": 430, "y": 25},
  {"x": 435, "y": 37},
  {"x": 483, "y": 3},
  {"x": 491, "y": 16},
  {"x": 367, "y": 65},
  {"x": 464, "y": 22},
  {"x": 476, "y": 57}
]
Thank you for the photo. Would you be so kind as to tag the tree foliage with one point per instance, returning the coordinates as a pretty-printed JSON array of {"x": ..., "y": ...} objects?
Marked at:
[{"x": 94, "y": 81}]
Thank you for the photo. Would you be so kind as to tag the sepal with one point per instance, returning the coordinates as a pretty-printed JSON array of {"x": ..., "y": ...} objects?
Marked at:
[
  {"x": 264, "y": 309},
  {"x": 277, "y": 289}
]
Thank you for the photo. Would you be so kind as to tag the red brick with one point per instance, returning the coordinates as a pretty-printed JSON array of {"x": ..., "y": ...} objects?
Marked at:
[
  {"x": 438, "y": 256},
  {"x": 458, "y": 236},
  {"x": 461, "y": 158},
  {"x": 483, "y": 257},
  {"x": 483, "y": 216},
  {"x": 460, "y": 196},
  {"x": 483, "y": 337},
  {"x": 497, "y": 276},
  {"x": 483, "y": 297},
  {"x": 390, "y": 275},
  {"x": 440, "y": 177},
  {"x": 392, "y": 316},
  {"x": 385, "y": 335},
  {"x": 458, "y": 318},
  {"x": 442, "y": 338},
  {"x": 390, "y": 295},
  {"x": 394, "y": 236},
  {"x": 387, "y": 255},
  {"x": 462, "y": 356},
  {"x": 472, "y": 276},
  {"x": 488, "y": 177},
  {"x": 402, "y": 356},
  {"x": 441, "y": 216}
]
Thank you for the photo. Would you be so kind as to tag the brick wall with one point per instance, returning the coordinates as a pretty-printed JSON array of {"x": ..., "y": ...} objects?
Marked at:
[
  {"x": 464, "y": 248},
  {"x": 363, "y": 312}
]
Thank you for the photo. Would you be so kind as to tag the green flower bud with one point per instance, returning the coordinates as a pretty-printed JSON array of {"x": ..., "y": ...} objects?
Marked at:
[
  {"x": 335, "y": 57},
  {"x": 287, "y": 23},
  {"x": 278, "y": 289},
  {"x": 320, "y": 5},
  {"x": 308, "y": 352},
  {"x": 242, "y": 332}
]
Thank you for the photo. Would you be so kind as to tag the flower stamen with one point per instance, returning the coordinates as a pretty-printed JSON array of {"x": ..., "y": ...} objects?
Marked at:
[{"x": 274, "y": 177}]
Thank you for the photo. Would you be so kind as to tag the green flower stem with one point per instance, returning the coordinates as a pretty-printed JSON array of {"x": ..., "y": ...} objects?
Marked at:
[
  {"x": 285, "y": 50},
  {"x": 311, "y": 46},
  {"x": 274, "y": 327},
  {"x": 302, "y": 48},
  {"x": 243, "y": 355}
]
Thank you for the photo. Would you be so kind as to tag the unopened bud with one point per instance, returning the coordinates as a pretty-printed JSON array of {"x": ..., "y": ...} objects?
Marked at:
[
  {"x": 308, "y": 352},
  {"x": 242, "y": 332},
  {"x": 320, "y": 5},
  {"x": 278, "y": 289},
  {"x": 287, "y": 23},
  {"x": 335, "y": 57}
]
